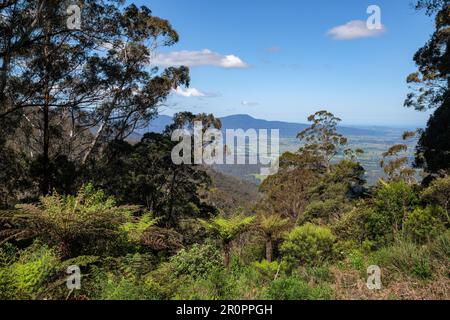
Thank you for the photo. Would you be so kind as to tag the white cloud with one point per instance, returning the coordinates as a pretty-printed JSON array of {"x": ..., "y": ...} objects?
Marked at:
[
  {"x": 189, "y": 92},
  {"x": 353, "y": 30},
  {"x": 198, "y": 58},
  {"x": 249, "y": 103}
]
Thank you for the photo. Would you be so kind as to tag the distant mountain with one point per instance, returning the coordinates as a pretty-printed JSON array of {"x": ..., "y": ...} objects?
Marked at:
[
  {"x": 245, "y": 122},
  {"x": 157, "y": 125}
]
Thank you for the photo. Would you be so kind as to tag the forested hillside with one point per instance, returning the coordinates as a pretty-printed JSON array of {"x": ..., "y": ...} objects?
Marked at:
[{"x": 77, "y": 193}]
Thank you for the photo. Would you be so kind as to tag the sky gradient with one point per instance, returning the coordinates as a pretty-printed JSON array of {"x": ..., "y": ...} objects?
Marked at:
[{"x": 283, "y": 60}]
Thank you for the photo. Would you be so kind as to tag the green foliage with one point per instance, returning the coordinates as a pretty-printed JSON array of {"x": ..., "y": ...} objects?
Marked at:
[
  {"x": 393, "y": 202},
  {"x": 268, "y": 270},
  {"x": 26, "y": 278},
  {"x": 422, "y": 225},
  {"x": 144, "y": 174},
  {"x": 198, "y": 261},
  {"x": 272, "y": 225},
  {"x": 119, "y": 288},
  {"x": 226, "y": 229},
  {"x": 83, "y": 224},
  {"x": 395, "y": 161},
  {"x": 217, "y": 285},
  {"x": 308, "y": 244},
  {"x": 440, "y": 248},
  {"x": 295, "y": 288},
  {"x": 438, "y": 193},
  {"x": 405, "y": 258},
  {"x": 352, "y": 226},
  {"x": 320, "y": 212},
  {"x": 136, "y": 226},
  {"x": 322, "y": 138},
  {"x": 430, "y": 89}
]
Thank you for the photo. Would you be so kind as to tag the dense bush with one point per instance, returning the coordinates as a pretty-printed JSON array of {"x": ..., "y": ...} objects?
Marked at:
[
  {"x": 308, "y": 244},
  {"x": 295, "y": 288},
  {"x": 26, "y": 278},
  {"x": 440, "y": 248},
  {"x": 352, "y": 226},
  {"x": 197, "y": 262},
  {"x": 422, "y": 225},
  {"x": 87, "y": 223},
  {"x": 438, "y": 193},
  {"x": 393, "y": 202},
  {"x": 405, "y": 258},
  {"x": 120, "y": 288}
]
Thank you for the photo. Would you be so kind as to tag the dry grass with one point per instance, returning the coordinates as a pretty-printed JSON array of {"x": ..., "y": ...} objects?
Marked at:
[{"x": 350, "y": 286}]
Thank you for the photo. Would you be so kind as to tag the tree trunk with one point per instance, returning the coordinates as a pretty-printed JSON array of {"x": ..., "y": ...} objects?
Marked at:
[
  {"x": 95, "y": 140},
  {"x": 172, "y": 198},
  {"x": 226, "y": 255},
  {"x": 269, "y": 249},
  {"x": 46, "y": 143}
]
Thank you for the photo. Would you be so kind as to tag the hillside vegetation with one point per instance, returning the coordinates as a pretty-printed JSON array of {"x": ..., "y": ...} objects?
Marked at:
[{"x": 85, "y": 214}]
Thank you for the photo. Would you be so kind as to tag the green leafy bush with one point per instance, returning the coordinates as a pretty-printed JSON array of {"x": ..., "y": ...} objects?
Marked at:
[
  {"x": 295, "y": 288},
  {"x": 352, "y": 226},
  {"x": 88, "y": 223},
  {"x": 308, "y": 244},
  {"x": 422, "y": 225},
  {"x": 405, "y": 258},
  {"x": 440, "y": 248},
  {"x": 119, "y": 288},
  {"x": 393, "y": 202},
  {"x": 267, "y": 269},
  {"x": 438, "y": 193},
  {"x": 217, "y": 285},
  {"x": 26, "y": 278},
  {"x": 198, "y": 261}
]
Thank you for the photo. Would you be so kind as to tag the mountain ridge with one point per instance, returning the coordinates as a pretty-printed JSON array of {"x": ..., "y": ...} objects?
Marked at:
[{"x": 287, "y": 129}]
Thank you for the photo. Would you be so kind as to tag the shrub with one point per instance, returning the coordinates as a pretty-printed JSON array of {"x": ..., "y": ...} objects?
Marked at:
[
  {"x": 422, "y": 225},
  {"x": 352, "y": 226},
  {"x": 440, "y": 248},
  {"x": 120, "y": 288},
  {"x": 26, "y": 278},
  {"x": 405, "y": 258},
  {"x": 217, "y": 285},
  {"x": 438, "y": 193},
  {"x": 295, "y": 288},
  {"x": 393, "y": 202},
  {"x": 308, "y": 244},
  {"x": 267, "y": 269},
  {"x": 322, "y": 211},
  {"x": 88, "y": 223},
  {"x": 199, "y": 261}
]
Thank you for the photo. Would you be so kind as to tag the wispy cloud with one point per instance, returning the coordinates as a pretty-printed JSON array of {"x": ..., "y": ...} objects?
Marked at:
[
  {"x": 249, "y": 103},
  {"x": 353, "y": 30},
  {"x": 204, "y": 57}
]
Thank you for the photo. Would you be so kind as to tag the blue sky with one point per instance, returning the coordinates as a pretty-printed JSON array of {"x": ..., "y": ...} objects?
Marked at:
[{"x": 277, "y": 60}]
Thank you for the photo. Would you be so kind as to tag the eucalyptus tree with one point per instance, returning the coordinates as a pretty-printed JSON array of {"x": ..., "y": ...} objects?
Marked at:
[
  {"x": 430, "y": 89},
  {"x": 62, "y": 82},
  {"x": 322, "y": 139}
]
